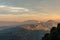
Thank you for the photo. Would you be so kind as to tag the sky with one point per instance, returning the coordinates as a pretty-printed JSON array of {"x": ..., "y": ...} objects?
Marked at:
[{"x": 21, "y": 10}]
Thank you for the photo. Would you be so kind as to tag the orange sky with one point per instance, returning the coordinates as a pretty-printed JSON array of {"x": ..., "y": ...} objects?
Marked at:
[
  {"x": 24, "y": 17},
  {"x": 22, "y": 10}
]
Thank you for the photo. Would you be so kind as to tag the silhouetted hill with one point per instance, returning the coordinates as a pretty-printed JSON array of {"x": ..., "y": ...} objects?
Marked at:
[{"x": 17, "y": 33}]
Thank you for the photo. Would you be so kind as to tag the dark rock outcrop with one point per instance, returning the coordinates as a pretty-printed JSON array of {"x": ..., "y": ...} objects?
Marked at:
[{"x": 54, "y": 34}]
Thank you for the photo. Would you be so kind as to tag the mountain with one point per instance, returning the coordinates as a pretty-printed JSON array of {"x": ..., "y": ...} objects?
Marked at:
[
  {"x": 33, "y": 27},
  {"x": 27, "y": 30},
  {"x": 36, "y": 25},
  {"x": 17, "y": 33},
  {"x": 49, "y": 24}
]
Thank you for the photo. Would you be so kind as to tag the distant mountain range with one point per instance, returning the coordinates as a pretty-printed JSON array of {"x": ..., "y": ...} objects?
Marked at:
[
  {"x": 12, "y": 23},
  {"x": 31, "y": 24},
  {"x": 38, "y": 25},
  {"x": 27, "y": 30}
]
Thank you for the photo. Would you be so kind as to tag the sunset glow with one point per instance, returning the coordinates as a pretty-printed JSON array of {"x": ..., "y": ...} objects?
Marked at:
[
  {"x": 12, "y": 10},
  {"x": 24, "y": 17}
]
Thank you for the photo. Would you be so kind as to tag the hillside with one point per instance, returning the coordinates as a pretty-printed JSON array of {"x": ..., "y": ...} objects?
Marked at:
[{"x": 17, "y": 33}]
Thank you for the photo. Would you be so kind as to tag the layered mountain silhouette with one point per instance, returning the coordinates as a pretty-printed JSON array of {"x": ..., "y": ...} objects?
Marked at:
[{"x": 27, "y": 30}]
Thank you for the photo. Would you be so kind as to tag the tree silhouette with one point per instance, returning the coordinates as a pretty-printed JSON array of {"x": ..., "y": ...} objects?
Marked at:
[
  {"x": 46, "y": 37},
  {"x": 58, "y": 32},
  {"x": 54, "y": 34}
]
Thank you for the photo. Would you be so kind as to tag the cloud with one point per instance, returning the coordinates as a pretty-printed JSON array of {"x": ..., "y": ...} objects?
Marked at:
[{"x": 8, "y": 9}]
